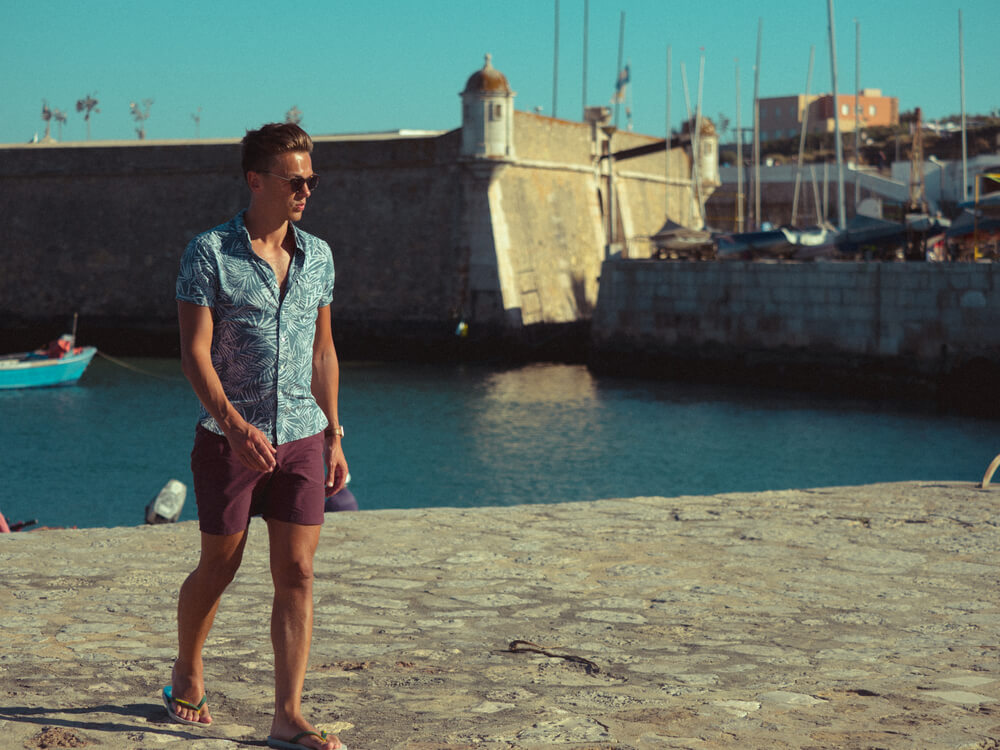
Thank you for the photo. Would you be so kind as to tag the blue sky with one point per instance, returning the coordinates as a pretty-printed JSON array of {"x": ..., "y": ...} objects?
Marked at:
[{"x": 390, "y": 64}]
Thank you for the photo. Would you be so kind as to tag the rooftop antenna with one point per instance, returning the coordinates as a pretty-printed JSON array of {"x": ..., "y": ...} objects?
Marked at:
[
  {"x": 60, "y": 117},
  {"x": 140, "y": 115},
  {"x": 87, "y": 105},
  {"x": 47, "y": 118}
]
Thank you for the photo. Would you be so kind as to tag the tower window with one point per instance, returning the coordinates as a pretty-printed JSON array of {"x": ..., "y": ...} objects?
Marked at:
[{"x": 496, "y": 112}]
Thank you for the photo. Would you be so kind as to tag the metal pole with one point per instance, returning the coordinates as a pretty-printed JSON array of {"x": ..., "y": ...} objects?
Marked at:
[
  {"x": 586, "y": 31},
  {"x": 802, "y": 136},
  {"x": 621, "y": 47},
  {"x": 965, "y": 152},
  {"x": 555, "y": 63},
  {"x": 739, "y": 155},
  {"x": 756, "y": 127},
  {"x": 842, "y": 221}
]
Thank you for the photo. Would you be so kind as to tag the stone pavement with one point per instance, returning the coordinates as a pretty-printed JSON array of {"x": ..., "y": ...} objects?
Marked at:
[{"x": 850, "y": 617}]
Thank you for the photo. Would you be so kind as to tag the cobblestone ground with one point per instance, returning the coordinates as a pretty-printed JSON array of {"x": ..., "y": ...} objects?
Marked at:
[{"x": 849, "y": 617}]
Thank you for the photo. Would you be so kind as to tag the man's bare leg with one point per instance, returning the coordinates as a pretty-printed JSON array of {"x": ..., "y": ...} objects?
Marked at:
[
  {"x": 292, "y": 549},
  {"x": 196, "y": 607}
]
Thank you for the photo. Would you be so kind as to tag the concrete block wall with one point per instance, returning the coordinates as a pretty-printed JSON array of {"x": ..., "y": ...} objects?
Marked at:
[{"x": 931, "y": 316}]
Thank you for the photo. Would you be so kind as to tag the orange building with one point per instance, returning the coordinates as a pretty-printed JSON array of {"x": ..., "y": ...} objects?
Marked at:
[{"x": 781, "y": 116}]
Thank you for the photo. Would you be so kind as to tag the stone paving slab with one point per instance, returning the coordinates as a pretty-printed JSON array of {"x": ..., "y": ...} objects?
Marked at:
[{"x": 846, "y": 617}]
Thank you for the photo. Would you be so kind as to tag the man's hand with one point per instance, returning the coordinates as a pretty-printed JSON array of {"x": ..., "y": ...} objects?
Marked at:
[
  {"x": 336, "y": 465},
  {"x": 252, "y": 448}
]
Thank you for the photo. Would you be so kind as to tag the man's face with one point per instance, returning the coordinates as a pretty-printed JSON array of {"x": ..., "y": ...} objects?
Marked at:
[{"x": 275, "y": 190}]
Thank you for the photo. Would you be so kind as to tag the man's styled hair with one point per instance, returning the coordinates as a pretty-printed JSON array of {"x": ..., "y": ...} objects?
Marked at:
[{"x": 261, "y": 146}]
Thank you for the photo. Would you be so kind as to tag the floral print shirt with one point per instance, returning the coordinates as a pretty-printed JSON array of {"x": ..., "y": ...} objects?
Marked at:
[{"x": 262, "y": 344}]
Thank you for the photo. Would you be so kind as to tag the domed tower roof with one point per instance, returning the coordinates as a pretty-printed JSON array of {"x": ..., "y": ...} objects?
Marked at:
[{"x": 489, "y": 80}]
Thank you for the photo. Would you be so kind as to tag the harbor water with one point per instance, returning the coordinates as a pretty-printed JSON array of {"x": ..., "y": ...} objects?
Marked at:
[{"x": 423, "y": 435}]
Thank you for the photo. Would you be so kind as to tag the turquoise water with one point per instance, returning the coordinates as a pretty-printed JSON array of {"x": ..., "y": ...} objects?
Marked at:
[{"x": 462, "y": 435}]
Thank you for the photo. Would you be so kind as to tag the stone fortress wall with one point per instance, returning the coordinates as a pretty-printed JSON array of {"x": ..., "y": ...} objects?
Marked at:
[{"x": 423, "y": 236}]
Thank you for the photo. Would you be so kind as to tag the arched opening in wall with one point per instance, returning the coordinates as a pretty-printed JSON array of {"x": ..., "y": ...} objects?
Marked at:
[{"x": 496, "y": 112}]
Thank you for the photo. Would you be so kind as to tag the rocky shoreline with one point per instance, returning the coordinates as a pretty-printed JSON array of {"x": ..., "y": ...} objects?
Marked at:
[{"x": 828, "y": 618}]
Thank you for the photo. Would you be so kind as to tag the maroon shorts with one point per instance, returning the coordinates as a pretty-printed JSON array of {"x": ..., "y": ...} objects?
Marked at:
[{"x": 229, "y": 494}]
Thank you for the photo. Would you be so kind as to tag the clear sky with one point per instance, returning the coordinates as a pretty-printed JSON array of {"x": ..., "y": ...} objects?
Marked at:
[{"x": 375, "y": 65}]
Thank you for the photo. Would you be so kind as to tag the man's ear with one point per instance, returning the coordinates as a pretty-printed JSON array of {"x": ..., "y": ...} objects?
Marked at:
[{"x": 254, "y": 181}]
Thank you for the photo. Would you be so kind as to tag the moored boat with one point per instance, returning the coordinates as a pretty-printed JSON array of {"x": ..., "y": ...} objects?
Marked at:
[{"x": 60, "y": 363}]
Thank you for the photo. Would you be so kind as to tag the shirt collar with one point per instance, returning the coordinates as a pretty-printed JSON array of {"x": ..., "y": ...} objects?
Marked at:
[{"x": 239, "y": 223}]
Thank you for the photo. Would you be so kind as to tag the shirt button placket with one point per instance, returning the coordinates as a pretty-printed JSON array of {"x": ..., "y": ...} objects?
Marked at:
[{"x": 280, "y": 407}]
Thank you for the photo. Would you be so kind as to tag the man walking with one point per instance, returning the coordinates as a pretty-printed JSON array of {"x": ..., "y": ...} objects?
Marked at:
[{"x": 253, "y": 302}]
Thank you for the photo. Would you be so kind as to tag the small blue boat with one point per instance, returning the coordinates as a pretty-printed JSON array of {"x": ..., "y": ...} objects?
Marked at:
[{"x": 40, "y": 369}]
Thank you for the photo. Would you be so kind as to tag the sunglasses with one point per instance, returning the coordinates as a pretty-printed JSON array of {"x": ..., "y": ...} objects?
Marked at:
[{"x": 298, "y": 183}]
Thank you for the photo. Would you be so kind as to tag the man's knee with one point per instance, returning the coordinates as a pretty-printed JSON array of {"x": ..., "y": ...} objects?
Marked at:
[
  {"x": 221, "y": 558},
  {"x": 293, "y": 573}
]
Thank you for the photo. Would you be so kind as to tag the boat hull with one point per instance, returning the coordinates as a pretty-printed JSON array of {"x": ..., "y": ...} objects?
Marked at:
[{"x": 23, "y": 371}]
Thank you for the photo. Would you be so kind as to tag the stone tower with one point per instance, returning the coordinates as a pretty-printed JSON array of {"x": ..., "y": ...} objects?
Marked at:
[{"x": 487, "y": 115}]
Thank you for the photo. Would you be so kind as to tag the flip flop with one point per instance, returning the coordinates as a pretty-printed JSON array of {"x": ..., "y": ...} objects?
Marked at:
[
  {"x": 169, "y": 699},
  {"x": 294, "y": 744}
]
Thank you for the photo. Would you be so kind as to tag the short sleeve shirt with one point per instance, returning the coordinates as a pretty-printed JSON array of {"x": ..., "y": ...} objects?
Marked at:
[{"x": 262, "y": 345}]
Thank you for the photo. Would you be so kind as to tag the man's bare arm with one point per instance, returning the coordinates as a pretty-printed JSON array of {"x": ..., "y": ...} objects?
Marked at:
[
  {"x": 250, "y": 444},
  {"x": 326, "y": 390}
]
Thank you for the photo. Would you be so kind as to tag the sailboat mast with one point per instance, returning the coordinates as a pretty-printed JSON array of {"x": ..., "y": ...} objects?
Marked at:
[
  {"x": 696, "y": 145},
  {"x": 802, "y": 135},
  {"x": 739, "y": 155},
  {"x": 756, "y": 128},
  {"x": 666, "y": 153},
  {"x": 842, "y": 219},
  {"x": 965, "y": 152},
  {"x": 857, "y": 113}
]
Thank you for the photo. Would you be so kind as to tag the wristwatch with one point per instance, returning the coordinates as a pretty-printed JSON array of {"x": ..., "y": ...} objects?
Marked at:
[{"x": 331, "y": 430}]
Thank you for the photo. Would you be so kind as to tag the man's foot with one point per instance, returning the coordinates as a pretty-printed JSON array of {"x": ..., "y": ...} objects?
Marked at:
[
  {"x": 175, "y": 706},
  {"x": 302, "y": 738},
  {"x": 185, "y": 700}
]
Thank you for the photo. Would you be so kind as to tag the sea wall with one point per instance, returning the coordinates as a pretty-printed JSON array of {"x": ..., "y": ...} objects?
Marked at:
[
  {"x": 421, "y": 237},
  {"x": 883, "y": 327}
]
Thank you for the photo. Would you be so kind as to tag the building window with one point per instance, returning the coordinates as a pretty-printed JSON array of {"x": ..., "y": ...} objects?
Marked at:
[
  {"x": 844, "y": 110},
  {"x": 871, "y": 110},
  {"x": 496, "y": 112}
]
